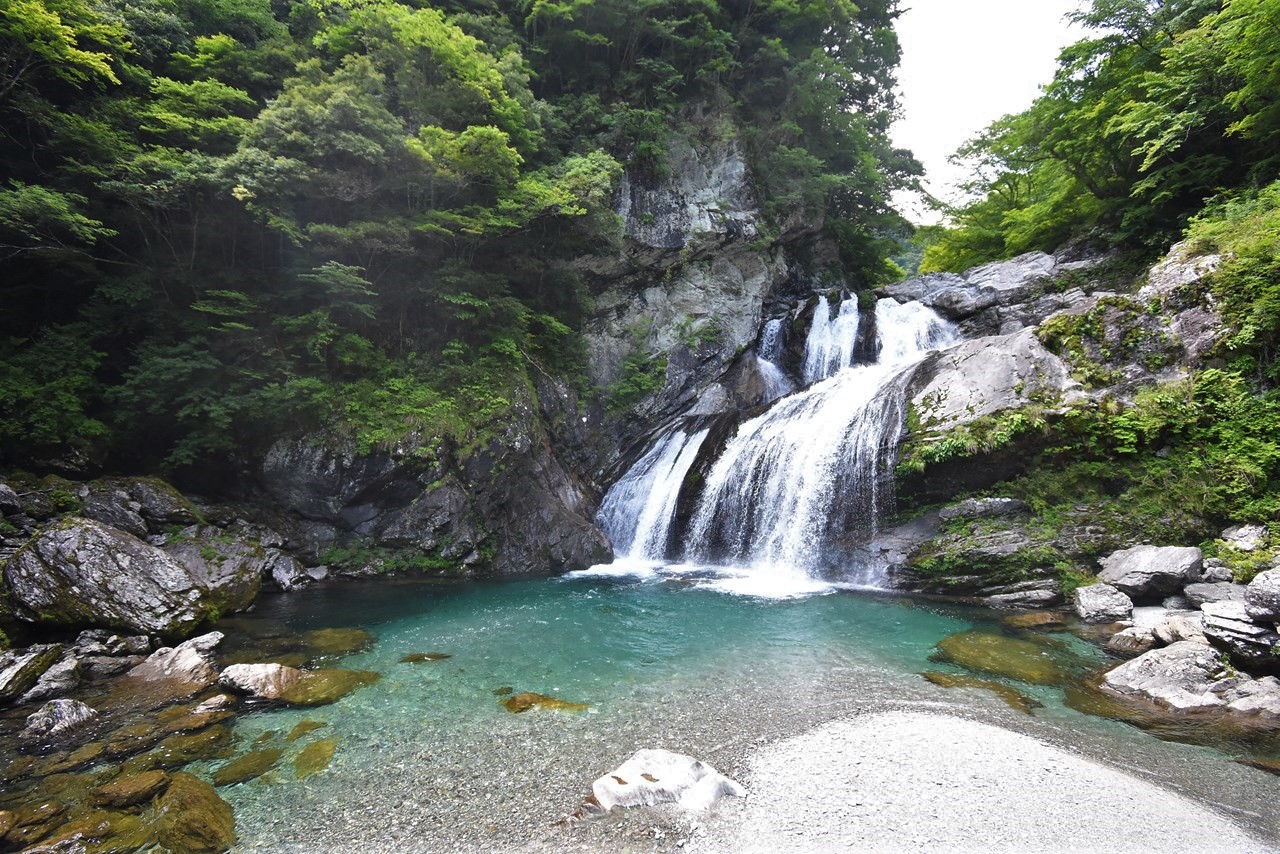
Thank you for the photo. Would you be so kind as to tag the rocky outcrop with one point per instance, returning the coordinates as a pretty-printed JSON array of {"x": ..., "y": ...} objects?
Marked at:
[
  {"x": 1191, "y": 677},
  {"x": 1150, "y": 570},
  {"x": 81, "y": 572},
  {"x": 652, "y": 777},
  {"x": 1250, "y": 645},
  {"x": 229, "y": 567},
  {"x": 508, "y": 508},
  {"x": 999, "y": 298},
  {"x": 978, "y": 378}
]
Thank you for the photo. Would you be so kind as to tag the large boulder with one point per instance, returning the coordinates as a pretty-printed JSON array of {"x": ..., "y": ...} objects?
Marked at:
[
  {"x": 1151, "y": 570},
  {"x": 1262, "y": 597},
  {"x": 652, "y": 777},
  {"x": 1101, "y": 603},
  {"x": 1252, "y": 646},
  {"x": 79, "y": 571}
]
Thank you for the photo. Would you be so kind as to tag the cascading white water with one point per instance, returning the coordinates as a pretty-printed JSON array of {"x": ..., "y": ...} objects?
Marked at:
[
  {"x": 831, "y": 341},
  {"x": 775, "y": 381},
  {"x": 638, "y": 510},
  {"x": 810, "y": 474}
]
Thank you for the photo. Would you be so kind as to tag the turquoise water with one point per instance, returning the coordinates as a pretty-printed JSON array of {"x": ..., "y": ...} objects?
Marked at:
[{"x": 428, "y": 752}]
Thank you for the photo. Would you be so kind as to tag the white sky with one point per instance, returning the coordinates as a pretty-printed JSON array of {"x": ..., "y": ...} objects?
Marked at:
[{"x": 966, "y": 63}]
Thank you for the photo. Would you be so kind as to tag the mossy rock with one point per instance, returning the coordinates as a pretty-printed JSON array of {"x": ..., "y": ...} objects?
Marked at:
[
  {"x": 1012, "y": 697},
  {"x": 336, "y": 642},
  {"x": 314, "y": 758},
  {"x": 130, "y": 790},
  {"x": 418, "y": 657},
  {"x": 247, "y": 767},
  {"x": 133, "y": 738},
  {"x": 1035, "y": 620},
  {"x": 527, "y": 700},
  {"x": 1000, "y": 655},
  {"x": 190, "y": 817},
  {"x": 33, "y": 822},
  {"x": 212, "y": 743},
  {"x": 58, "y": 763},
  {"x": 322, "y": 687},
  {"x": 301, "y": 728},
  {"x": 99, "y": 831}
]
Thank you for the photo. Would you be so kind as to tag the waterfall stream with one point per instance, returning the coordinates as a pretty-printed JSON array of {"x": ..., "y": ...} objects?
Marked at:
[{"x": 798, "y": 488}]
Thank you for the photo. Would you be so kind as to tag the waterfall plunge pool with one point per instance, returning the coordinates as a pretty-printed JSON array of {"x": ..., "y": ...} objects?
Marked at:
[{"x": 428, "y": 759}]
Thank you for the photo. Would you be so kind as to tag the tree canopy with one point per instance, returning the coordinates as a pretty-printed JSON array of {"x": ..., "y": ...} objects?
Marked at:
[{"x": 225, "y": 218}]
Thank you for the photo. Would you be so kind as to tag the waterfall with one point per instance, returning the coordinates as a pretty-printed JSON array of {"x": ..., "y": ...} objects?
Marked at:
[
  {"x": 775, "y": 381},
  {"x": 798, "y": 489},
  {"x": 637, "y": 512},
  {"x": 800, "y": 484}
]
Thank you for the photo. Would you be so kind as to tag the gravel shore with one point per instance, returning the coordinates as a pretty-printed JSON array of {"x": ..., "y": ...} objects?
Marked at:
[{"x": 913, "y": 781}]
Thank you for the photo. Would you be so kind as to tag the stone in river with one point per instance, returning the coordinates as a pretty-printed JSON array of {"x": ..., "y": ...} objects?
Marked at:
[
  {"x": 527, "y": 700},
  {"x": 1101, "y": 603},
  {"x": 416, "y": 657},
  {"x": 130, "y": 790},
  {"x": 337, "y": 641},
  {"x": 322, "y": 687},
  {"x": 190, "y": 817},
  {"x": 1035, "y": 620},
  {"x": 314, "y": 758},
  {"x": 1012, "y": 697},
  {"x": 247, "y": 767},
  {"x": 998, "y": 655},
  {"x": 301, "y": 728}
]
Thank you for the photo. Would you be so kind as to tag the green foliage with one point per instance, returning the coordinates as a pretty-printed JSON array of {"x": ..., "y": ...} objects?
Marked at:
[
  {"x": 1246, "y": 230},
  {"x": 227, "y": 219},
  {"x": 360, "y": 556}
]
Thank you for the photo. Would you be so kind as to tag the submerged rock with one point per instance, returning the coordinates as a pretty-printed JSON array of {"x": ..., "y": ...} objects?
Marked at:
[
  {"x": 999, "y": 655},
  {"x": 336, "y": 641},
  {"x": 527, "y": 700},
  {"x": 130, "y": 790},
  {"x": 294, "y": 686},
  {"x": 1102, "y": 603},
  {"x": 652, "y": 777},
  {"x": 1012, "y": 697},
  {"x": 301, "y": 728},
  {"x": 314, "y": 758},
  {"x": 417, "y": 657},
  {"x": 250, "y": 766},
  {"x": 1149, "y": 570}
]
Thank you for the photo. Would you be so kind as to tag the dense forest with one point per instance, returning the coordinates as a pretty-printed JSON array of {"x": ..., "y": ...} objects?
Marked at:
[
  {"x": 222, "y": 220},
  {"x": 1163, "y": 126}
]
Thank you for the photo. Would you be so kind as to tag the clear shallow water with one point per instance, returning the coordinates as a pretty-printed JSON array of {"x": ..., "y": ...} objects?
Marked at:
[{"x": 427, "y": 758}]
